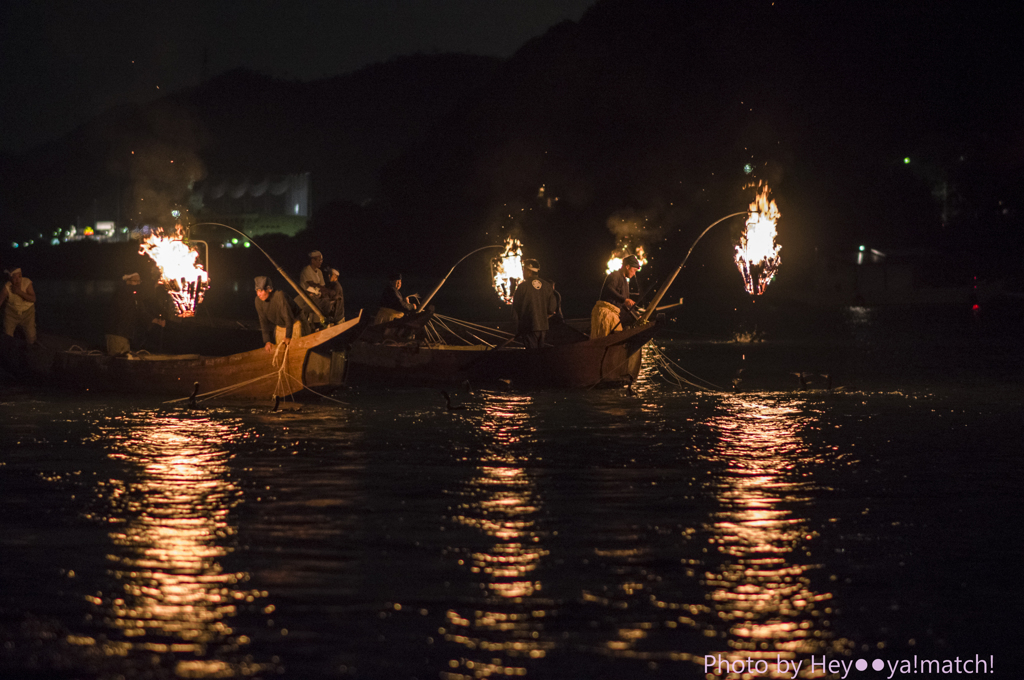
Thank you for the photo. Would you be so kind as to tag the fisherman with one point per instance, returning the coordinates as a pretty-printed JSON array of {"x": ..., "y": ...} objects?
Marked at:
[
  {"x": 129, "y": 319},
  {"x": 159, "y": 305},
  {"x": 614, "y": 308},
  {"x": 392, "y": 304},
  {"x": 534, "y": 303},
  {"x": 333, "y": 297},
  {"x": 20, "y": 297},
  {"x": 311, "y": 279},
  {"x": 277, "y": 317}
]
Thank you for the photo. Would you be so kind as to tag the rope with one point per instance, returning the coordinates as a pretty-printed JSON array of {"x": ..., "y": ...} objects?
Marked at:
[
  {"x": 224, "y": 390},
  {"x": 322, "y": 396},
  {"x": 76, "y": 349},
  {"x": 666, "y": 365},
  {"x": 487, "y": 330},
  {"x": 283, "y": 377}
]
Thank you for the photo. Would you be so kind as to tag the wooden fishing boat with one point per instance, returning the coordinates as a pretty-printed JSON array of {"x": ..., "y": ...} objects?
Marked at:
[
  {"x": 307, "y": 362},
  {"x": 400, "y": 353}
]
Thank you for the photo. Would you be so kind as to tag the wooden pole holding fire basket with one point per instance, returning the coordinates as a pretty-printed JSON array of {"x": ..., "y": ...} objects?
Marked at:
[
  {"x": 653, "y": 306},
  {"x": 302, "y": 293}
]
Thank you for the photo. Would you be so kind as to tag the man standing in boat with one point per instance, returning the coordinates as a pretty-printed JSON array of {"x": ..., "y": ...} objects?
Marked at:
[
  {"x": 311, "y": 279},
  {"x": 613, "y": 310},
  {"x": 277, "y": 318},
  {"x": 393, "y": 305},
  {"x": 129, "y": 319},
  {"x": 533, "y": 304},
  {"x": 334, "y": 298},
  {"x": 20, "y": 297}
]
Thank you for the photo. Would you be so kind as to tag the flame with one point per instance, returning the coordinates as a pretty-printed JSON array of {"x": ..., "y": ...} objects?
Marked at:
[
  {"x": 757, "y": 255},
  {"x": 508, "y": 269},
  {"x": 185, "y": 279},
  {"x": 615, "y": 263}
]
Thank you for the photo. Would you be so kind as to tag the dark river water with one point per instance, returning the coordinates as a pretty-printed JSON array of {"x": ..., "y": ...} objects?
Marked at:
[{"x": 670, "y": 533}]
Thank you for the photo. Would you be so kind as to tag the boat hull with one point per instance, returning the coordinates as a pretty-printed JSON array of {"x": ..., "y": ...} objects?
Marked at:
[
  {"x": 614, "y": 359},
  {"x": 256, "y": 374}
]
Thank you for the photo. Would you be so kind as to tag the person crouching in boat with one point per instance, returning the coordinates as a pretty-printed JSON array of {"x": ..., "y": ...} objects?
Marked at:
[
  {"x": 277, "y": 317},
  {"x": 533, "y": 304},
  {"x": 129, "y": 319},
  {"x": 613, "y": 310},
  {"x": 393, "y": 305}
]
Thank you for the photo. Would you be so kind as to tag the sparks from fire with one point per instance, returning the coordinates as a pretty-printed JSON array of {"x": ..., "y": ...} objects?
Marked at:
[
  {"x": 757, "y": 255},
  {"x": 615, "y": 263},
  {"x": 186, "y": 281},
  {"x": 507, "y": 269}
]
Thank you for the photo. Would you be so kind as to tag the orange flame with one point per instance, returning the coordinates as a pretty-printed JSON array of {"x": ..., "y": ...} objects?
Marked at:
[
  {"x": 757, "y": 255},
  {"x": 615, "y": 263},
  {"x": 508, "y": 269},
  {"x": 185, "y": 279}
]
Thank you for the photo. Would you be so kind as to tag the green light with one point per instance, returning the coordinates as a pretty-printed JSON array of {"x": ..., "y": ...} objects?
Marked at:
[
  {"x": 906, "y": 161},
  {"x": 235, "y": 241},
  {"x": 862, "y": 249},
  {"x": 246, "y": 244}
]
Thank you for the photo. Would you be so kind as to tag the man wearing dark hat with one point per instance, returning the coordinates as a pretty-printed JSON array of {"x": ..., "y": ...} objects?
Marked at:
[
  {"x": 129, "y": 319},
  {"x": 393, "y": 305},
  {"x": 533, "y": 304},
  {"x": 612, "y": 311},
  {"x": 277, "y": 318}
]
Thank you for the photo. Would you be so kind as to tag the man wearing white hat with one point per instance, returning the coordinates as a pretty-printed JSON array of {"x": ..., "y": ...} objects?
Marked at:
[
  {"x": 20, "y": 297},
  {"x": 334, "y": 297},
  {"x": 311, "y": 279}
]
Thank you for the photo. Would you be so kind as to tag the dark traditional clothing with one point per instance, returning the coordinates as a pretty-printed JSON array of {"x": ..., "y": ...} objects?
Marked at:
[
  {"x": 275, "y": 312},
  {"x": 609, "y": 312},
  {"x": 334, "y": 301},
  {"x": 158, "y": 304},
  {"x": 127, "y": 321},
  {"x": 393, "y": 305},
  {"x": 615, "y": 289},
  {"x": 533, "y": 303}
]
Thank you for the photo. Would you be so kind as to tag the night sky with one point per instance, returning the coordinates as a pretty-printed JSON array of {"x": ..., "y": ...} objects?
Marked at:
[
  {"x": 897, "y": 126},
  {"x": 64, "y": 62}
]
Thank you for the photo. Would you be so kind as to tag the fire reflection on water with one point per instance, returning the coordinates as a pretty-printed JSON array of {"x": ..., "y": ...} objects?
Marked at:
[
  {"x": 760, "y": 587},
  {"x": 172, "y": 524},
  {"x": 501, "y": 502}
]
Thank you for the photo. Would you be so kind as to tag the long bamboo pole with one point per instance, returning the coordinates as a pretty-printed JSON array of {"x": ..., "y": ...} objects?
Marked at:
[
  {"x": 302, "y": 293},
  {"x": 653, "y": 306},
  {"x": 426, "y": 300}
]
